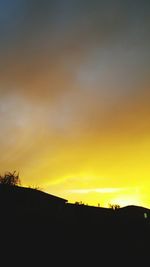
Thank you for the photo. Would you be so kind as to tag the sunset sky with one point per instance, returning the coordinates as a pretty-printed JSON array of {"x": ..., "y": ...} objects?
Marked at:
[{"x": 75, "y": 98}]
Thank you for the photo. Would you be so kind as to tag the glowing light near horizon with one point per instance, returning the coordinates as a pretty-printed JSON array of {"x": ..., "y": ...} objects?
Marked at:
[{"x": 125, "y": 200}]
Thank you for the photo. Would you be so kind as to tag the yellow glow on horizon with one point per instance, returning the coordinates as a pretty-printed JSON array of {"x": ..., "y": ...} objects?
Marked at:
[
  {"x": 94, "y": 170},
  {"x": 105, "y": 196},
  {"x": 127, "y": 199}
]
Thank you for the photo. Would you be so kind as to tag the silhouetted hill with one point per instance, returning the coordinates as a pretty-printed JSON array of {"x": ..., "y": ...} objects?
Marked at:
[
  {"x": 46, "y": 226},
  {"x": 133, "y": 208},
  {"x": 28, "y": 199}
]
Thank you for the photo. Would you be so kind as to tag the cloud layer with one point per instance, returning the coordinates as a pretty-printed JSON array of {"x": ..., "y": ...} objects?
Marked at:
[{"x": 74, "y": 90}]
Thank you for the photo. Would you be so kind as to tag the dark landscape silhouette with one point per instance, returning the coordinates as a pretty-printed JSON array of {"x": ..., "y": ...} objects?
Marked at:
[{"x": 38, "y": 225}]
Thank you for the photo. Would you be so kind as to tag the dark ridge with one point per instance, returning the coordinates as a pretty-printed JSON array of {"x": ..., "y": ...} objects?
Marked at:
[
  {"x": 31, "y": 192},
  {"x": 43, "y": 227},
  {"x": 133, "y": 207}
]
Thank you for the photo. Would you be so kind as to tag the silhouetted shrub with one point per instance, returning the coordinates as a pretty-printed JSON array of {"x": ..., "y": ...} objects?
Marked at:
[
  {"x": 114, "y": 206},
  {"x": 11, "y": 179},
  {"x": 35, "y": 187},
  {"x": 79, "y": 203}
]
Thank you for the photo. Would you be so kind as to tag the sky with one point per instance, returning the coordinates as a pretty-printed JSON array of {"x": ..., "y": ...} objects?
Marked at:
[{"x": 74, "y": 98}]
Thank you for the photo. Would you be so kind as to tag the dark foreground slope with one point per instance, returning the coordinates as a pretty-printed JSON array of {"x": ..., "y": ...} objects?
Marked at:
[{"x": 36, "y": 227}]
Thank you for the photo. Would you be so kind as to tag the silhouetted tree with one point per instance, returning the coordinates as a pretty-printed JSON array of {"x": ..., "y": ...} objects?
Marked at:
[{"x": 11, "y": 179}]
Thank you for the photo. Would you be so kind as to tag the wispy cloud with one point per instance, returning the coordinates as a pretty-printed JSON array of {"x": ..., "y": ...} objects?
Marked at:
[{"x": 97, "y": 190}]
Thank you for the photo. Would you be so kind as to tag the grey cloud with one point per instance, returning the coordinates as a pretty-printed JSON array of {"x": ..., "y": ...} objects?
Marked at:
[
  {"x": 95, "y": 50},
  {"x": 48, "y": 38}
]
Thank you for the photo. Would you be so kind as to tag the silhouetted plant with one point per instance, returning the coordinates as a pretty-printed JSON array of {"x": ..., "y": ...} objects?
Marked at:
[
  {"x": 11, "y": 179},
  {"x": 35, "y": 187},
  {"x": 114, "y": 206},
  {"x": 79, "y": 203}
]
